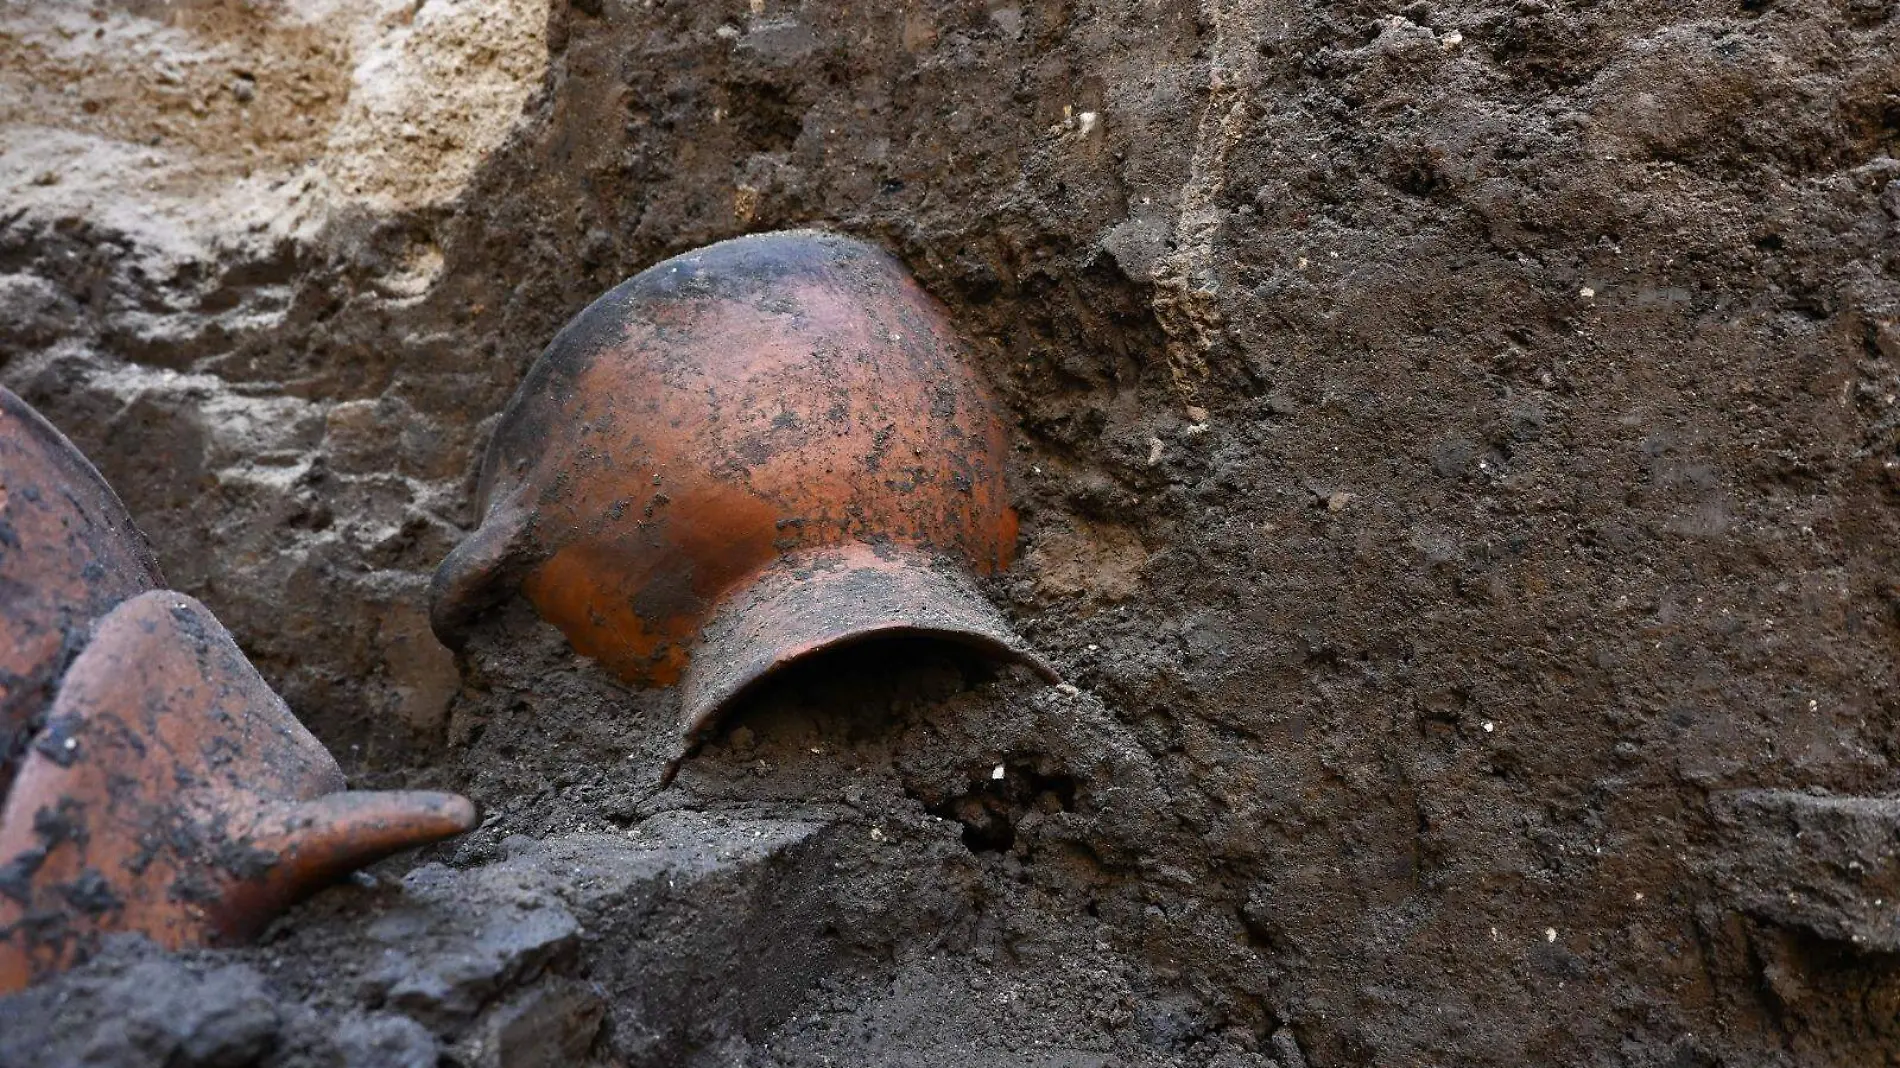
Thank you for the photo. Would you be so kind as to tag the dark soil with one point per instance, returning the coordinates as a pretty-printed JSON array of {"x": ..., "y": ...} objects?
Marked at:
[{"x": 1459, "y": 457}]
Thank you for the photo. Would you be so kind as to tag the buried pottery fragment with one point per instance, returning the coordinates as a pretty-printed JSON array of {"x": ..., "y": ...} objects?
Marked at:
[
  {"x": 171, "y": 793},
  {"x": 151, "y": 781},
  {"x": 68, "y": 554},
  {"x": 765, "y": 448}
]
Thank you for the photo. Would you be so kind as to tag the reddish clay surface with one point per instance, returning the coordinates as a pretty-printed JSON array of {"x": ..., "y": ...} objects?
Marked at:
[
  {"x": 68, "y": 553},
  {"x": 172, "y": 794},
  {"x": 715, "y": 413}
]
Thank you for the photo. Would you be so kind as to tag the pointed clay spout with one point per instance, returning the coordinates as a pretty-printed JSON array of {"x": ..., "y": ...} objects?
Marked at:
[{"x": 320, "y": 840}]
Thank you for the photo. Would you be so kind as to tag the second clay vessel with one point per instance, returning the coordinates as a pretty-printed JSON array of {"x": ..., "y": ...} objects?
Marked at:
[
  {"x": 68, "y": 554},
  {"x": 172, "y": 794}
]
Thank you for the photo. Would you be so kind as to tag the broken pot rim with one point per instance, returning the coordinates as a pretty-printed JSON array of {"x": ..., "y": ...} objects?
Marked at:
[{"x": 730, "y": 660}]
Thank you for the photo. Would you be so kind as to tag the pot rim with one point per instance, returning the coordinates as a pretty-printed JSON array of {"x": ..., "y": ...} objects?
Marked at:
[{"x": 827, "y": 597}]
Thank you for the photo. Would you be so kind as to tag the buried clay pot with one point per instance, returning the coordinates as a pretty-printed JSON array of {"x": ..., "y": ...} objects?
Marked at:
[
  {"x": 172, "y": 794},
  {"x": 68, "y": 554},
  {"x": 745, "y": 454}
]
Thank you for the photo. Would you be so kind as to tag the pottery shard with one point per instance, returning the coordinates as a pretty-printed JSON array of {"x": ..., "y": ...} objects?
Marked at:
[
  {"x": 68, "y": 554},
  {"x": 172, "y": 794}
]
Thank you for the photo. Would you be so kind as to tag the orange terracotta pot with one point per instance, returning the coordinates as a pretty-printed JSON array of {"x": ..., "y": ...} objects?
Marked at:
[
  {"x": 171, "y": 793},
  {"x": 68, "y": 554},
  {"x": 740, "y": 456}
]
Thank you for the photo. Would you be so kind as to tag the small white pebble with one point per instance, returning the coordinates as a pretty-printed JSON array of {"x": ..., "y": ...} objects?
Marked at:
[
  {"x": 1489, "y": 726},
  {"x": 1550, "y": 934},
  {"x": 1451, "y": 40},
  {"x": 877, "y": 834},
  {"x": 1092, "y": 647},
  {"x": 1085, "y": 123},
  {"x": 72, "y": 743},
  {"x": 997, "y": 772},
  {"x": 1639, "y": 895},
  {"x": 1586, "y": 292},
  {"x": 1067, "y": 689}
]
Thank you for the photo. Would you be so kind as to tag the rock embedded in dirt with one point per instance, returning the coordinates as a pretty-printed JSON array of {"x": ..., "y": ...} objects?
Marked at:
[
  {"x": 69, "y": 553},
  {"x": 154, "y": 1013},
  {"x": 441, "y": 962},
  {"x": 1825, "y": 866}
]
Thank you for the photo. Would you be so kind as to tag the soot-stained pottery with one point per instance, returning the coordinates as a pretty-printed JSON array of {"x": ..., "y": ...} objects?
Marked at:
[
  {"x": 68, "y": 554},
  {"x": 745, "y": 454},
  {"x": 171, "y": 793}
]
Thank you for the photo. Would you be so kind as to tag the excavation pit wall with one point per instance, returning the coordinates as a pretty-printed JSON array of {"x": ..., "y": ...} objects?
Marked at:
[{"x": 1456, "y": 448}]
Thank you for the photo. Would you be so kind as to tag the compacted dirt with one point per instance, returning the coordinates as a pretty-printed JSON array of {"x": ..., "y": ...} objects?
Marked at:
[{"x": 1458, "y": 448}]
